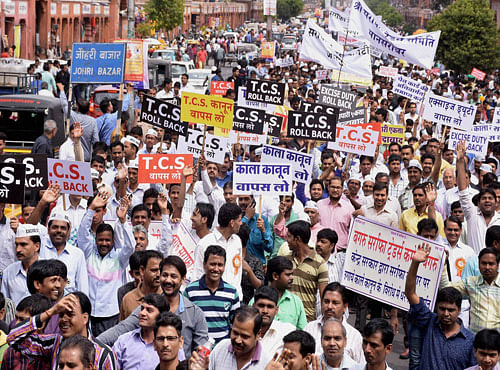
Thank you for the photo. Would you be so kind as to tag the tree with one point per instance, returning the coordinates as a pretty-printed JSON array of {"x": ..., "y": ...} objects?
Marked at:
[
  {"x": 145, "y": 29},
  {"x": 469, "y": 36},
  {"x": 390, "y": 15},
  {"x": 287, "y": 9},
  {"x": 166, "y": 14}
]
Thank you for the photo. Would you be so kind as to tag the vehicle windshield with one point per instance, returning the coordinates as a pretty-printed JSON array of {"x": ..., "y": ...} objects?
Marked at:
[
  {"x": 178, "y": 69},
  {"x": 198, "y": 75},
  {"x": 248, "y": 48},
  {"x": 100, "y": 96}
]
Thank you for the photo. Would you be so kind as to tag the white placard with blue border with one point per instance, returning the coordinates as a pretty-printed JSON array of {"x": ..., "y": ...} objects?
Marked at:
[{"x": 98, "y": 63}]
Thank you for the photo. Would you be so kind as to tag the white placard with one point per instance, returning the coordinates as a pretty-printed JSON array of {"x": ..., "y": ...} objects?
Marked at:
[
  {"x": 385, "y": 71},
  {"x": 246, "y": 138},
  {"x": 356, "y": 140},
  {"x": 302, "y": 163},
  {"x": 476, "y": 143},
  {"x": 449, "y": 112},
  {"x": 377, "y": 261},
  {"x": 262, "y": 178},
  {"x": 409, "y": 88},
  {"x": 216, "y": 147}
]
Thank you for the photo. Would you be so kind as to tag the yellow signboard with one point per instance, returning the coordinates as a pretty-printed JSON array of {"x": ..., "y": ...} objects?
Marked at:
[
  {"x": 267, "y": 50},
  {"x": 207, "y": 110},
  {"x": 392, "y": 134}
]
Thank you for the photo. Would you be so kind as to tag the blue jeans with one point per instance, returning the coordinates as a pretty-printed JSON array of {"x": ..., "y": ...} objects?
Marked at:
[{"x": 415, "y": 341}]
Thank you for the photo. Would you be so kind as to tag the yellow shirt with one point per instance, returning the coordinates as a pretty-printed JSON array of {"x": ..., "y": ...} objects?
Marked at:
[{"x": 410, "y": 219}]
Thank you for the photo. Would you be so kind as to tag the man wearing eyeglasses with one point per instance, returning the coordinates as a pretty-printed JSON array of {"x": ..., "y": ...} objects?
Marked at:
[{"x": 168, "y": 342}]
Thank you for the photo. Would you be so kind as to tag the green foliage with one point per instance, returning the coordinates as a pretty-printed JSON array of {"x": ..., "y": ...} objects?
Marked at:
[
  {"x": 145, "y": 29},
  {"x": 165, "y": 14},
  {"x": 287, "y": 9},
  {"x": 409, "y": 28},
  {"x": 469, "y": 36},
  {"x": 390, "y": 15}
]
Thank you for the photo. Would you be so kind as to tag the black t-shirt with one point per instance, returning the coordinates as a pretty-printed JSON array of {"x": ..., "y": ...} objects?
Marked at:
[{"x": 183, "y": 365}]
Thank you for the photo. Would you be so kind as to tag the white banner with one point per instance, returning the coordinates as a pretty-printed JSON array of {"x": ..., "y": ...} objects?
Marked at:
[
  {"x": 449, "y": 112},
  {"x": 247, "y": 138},
  {"x": 338, "y": 21},
  {"x": 183, "y": 246},
  {"x": 476, "y": 142},
  {"x": 409, "y": 88},
  {"x": 418, "y": 49},
  {"x": 356, "y": 140},
  {"x": 385, "y": 71},
  {"x": 216, "y": 147},
  {"x": 301, "y": 163},
  {"x": 377, "y": 261},
  {"x": 321, "y": 48},
  {"x": 262, "y": 178}
]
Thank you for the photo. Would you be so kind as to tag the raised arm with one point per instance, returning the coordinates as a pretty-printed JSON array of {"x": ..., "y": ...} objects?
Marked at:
[
  {"x": 461, "y": 173},
  {"x": 431, "y": 195},
  {"x": 420, "y": 256},
  {"x": 50, "y": 195}
]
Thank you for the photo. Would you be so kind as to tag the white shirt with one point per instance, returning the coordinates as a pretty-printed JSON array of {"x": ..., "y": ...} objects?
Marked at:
[
  {"x": 234, "y": 258},
  {"x": 354, "y": 347},
  {"x": 7, "y": 247},
  {"x": 75, "y": 215},
  {"x": 272, "y": 341},
  {"x": 363, "y": 367},
  {"x": 457, "y": 258},
  {"x": 67, "y": 150},
  {"x": 346, "y": 363},
  {"x": 451, "y": 196},
  {"x": 162, "y": 94},
  {"x": 475, "y": 221}
]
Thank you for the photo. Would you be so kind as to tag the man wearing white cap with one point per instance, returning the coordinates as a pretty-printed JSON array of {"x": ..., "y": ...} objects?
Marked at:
[
  {"x": 130, "y": 148},
  {"x": 151, "y": 140},
  {"x": 14, "y": 276},
  {"x": 56, "y": 245},
  {"x": 414, "y": 172},
  {"x": 134, "y": 187}
]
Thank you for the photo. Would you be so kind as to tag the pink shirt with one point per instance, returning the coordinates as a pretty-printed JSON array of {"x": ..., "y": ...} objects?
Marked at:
[{"x": 337, "y": 218}]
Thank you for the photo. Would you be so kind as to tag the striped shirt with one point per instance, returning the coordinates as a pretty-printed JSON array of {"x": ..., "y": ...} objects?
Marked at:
[
  {"x": 484, "y": 300},
  {"x": 307, "y": 277},
  {"x": 218, "y": 307},
  {"x": 46, "y": 346}
]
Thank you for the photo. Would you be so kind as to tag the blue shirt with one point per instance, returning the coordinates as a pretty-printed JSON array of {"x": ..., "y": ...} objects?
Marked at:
[
  {"x": 259, "y": 243},
  {"x": 107, "y": 122},
  {"x": 14, "y": 282},
  {"x": 439, "y": 352},
  {"x": 227, "y": 178}
]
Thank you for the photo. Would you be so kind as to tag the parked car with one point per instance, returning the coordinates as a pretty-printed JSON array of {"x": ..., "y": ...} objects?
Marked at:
[
  {"x": 248, "y": 51},
  {"x": 165, "y": 54}
]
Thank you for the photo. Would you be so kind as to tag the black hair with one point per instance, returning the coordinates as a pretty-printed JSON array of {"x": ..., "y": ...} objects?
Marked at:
[
  {"x": 136, "y": 130},
  {"x": 2, "y": 301},
  {"x": 381, "y": 175},
  {"x": 492, "y": 234},
  {"x": 244, "y": 234},
  {"x": 482, "y": 192},
  {"x": 365, "y": 157},
  {"x": 306, "y": 341},
  {"x": 42, "y": 269},
  {"x": 394, "y": 157},
  {"x": 449, "y": 295},
  {"x": 336, "y": 287},
  {"x": 420, "y": 186},
  {"x": 456, "y": 204},
  {"x": 168, "y": 319},
  {"x": 157, "y": 300},
  {"x": 99, "y": 146},
  {"x": 35, "y": 304},
  {"x": 86, "y": 347},
  {"x": 149, "y": 254},
  {"x": 300, "y": 229},
  {"x": 381, "y": 326},
  {"x": 176, "y": 262},
  {"x": 427, "y": 156},
  {"x": 489, "y": 250},
  {"x": 316, "y": 182},
  {"x": 247, "y": 313},
  {"x": 98, "y": 159},
  {"x": 103, "y": 228},
  {"x": 290, "y": 195},
  {"x": 150, "y": 193},
  {"x": 135, "y": 260},
  {"x": 487, "y": 339},
  {"x": 328, "y": 234},
  {"x": 228, "y": 212},
  {"x": 277, "y": 265},
  {"x": 426, "y": 224},
  {"x": 104, "y": 104},
  {"x": 141, "y": 207},
  {"x": 207, "y": 210},
  {"x": 116, "y": 143},
  {"x": 453, "y": 219},
  {"x": 267, "y": 292},
  {"x": 394, "y": 144},
  {"x": 380, "y": 186},
  {"x": 215, "y": 250}
]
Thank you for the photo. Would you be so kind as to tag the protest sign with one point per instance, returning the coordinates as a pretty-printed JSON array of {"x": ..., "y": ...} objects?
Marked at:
[
  {"x": 355, "y": 140},
  {"x": 267, "y": 50},
  {"x": 12, "y": 179},
  {"x": 377, "y": 261},
  {"x": 387, "y": 72},
  {"x": 74, "y": 177},
  {"x": 338, "y": 21},
  {"x": 336, "y": 97},
  {"x": 162, "y": 114},
  {"x": 246, "y": 138},
  {"x": 495, "y": 126},
  {"x": 36, "y": 169},
  {"x": 409, "y": 88},
  {"x": 266, "y": 92},
  {"x": 318, "y": 46},
  {"x": 183, "y": 246},
  {"x": 322, "y": 74},
  {"x": 482, "y": 128},
  {"x": 98, "y": 63},
  {"x": 285, "y": 62},
  {"x": 215, "y": 147},
  {"x": 332, "y": 112},
  {"x": 163, "y": 168},
  {"x": 351, "y": 79},
  {"x": 248, "y": 120},
  {"x": 222, "y": 132},
  {"x": 220, "y": 87},
  {"x": 449, "y": 112},
  {"x": 417, "y": 49},
  {"x": 269, "y": 7},
  {"x": 316, "y": 126},
  {"x": 262, "y": 178},
  {"x": 392, "y": 134},
  {"x": 436, "y": 71},
  {"x": 301, "y": 163},
  {"x": 136, "y": 63},
  {"x": 475, "y": 143},
  {"x": 478, "y": 74},
  {"x": 274, "y": 124},
  {"x": 351, "y": 116},
  {"x": 207, "y": 110}
]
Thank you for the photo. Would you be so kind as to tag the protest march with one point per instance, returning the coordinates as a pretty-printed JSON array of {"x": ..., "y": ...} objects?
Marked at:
[{"x": 330, "y": 205}]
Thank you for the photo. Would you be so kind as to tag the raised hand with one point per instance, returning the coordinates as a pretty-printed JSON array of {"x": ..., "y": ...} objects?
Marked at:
[
  {"x": 122, "y": 209},
  {"x": 77, "y": 130},
  {"x": 460, "y": 150},
  {"x": 52, "y": 193},
  {"x": 282, "y": 362},
  {"x": 100, "y": 200},
  {"x": 316, "y": 364},
  {"x": 163, "y": 203},
  {"x": 422, "y": 253},
  {"x": 14, "y": 223},
  {"x": 431, "y": 192},
  {"x": 187, "y": 171}
]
